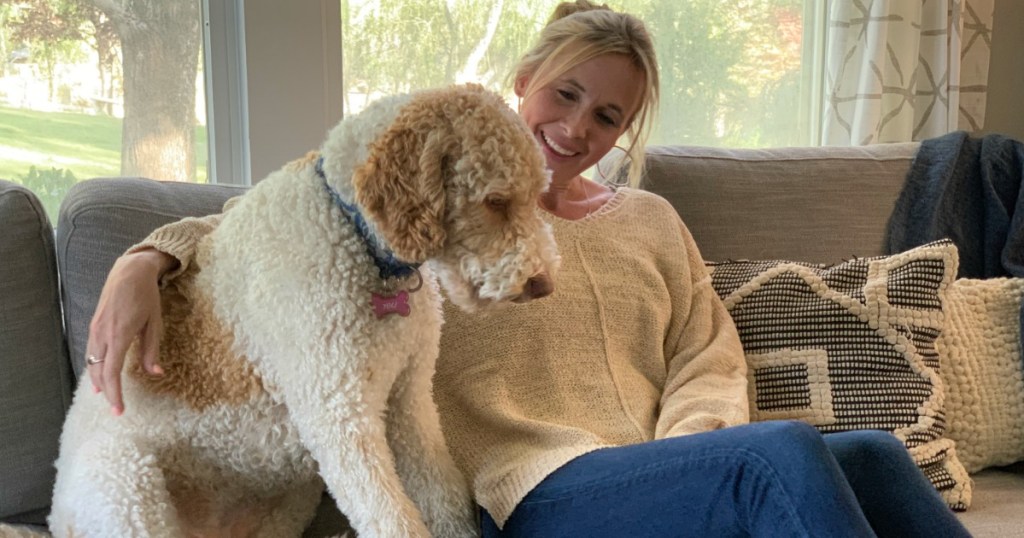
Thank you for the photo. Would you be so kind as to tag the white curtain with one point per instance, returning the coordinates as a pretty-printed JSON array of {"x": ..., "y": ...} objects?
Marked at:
[{"x": 902, "y": 70}]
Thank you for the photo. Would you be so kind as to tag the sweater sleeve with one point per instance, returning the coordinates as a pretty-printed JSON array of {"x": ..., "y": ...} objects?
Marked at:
[
  {"x": 706, "y": 384},
  {"x": 179, "y": 239}
]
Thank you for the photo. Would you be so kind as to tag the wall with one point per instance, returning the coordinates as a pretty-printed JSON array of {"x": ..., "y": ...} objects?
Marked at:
[
  {"x": 293, "y": 68},
  {"x": 1004, "y": 112}
]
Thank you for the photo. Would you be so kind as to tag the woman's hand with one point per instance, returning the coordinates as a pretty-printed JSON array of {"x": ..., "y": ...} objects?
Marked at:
[{"x": 129, "y": 307}]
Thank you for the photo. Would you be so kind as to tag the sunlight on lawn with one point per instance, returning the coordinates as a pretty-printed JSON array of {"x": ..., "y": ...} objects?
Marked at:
[{"x": 89, "y": 146}]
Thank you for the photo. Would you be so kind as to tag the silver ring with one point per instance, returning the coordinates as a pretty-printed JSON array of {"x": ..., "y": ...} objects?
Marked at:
[{"x": 91, "y": 360}]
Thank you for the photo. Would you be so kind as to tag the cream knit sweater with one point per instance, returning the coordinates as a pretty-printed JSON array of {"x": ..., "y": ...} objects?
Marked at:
[{"x": 633, "y": 345}]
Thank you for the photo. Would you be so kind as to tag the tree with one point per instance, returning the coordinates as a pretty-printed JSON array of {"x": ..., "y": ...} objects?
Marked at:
[
  {"x": 106, "y": 45},
  {"x": 51, "y": 29},
  {"x": 730, "y": 69},
  {"x": 393, "y": 47},
  {"x": 160, "y": 43}
]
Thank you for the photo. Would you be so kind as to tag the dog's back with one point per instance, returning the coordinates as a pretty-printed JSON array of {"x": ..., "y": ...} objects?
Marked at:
[{"x": 206, "y": 431}]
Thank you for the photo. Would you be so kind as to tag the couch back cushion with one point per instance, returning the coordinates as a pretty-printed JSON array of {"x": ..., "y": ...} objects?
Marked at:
[
  {"x": 808, "y": 204},
  {"x": 35, "y": 377},
  {"x": 100, "y": 219}
]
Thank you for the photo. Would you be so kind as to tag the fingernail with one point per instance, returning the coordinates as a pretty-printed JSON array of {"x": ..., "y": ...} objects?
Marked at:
[
  {"x": 157, "y": 370},
  {"x": 117, "y": 410},
  {"x": 95, "y": 389}
]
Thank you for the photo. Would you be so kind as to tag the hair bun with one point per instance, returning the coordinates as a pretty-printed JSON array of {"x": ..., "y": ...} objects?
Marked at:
[{"x": 569, "y": 8}]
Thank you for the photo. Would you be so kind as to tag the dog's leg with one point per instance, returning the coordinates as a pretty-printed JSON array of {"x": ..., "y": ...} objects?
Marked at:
[
  {"x": 422, "y": 458},
  {"x": 341, "y": 421},
  {"x": 112, "y": 488}
]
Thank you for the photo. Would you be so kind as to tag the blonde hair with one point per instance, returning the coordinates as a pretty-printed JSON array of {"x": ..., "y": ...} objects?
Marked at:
[{"x": 579, "y": 31}]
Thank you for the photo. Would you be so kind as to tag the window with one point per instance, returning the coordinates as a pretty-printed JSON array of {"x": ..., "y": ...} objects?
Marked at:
[
  {"x": 81, "y": 96},
  {"x": 88, "y": 92},
  {"x": 734, "y": 72}
]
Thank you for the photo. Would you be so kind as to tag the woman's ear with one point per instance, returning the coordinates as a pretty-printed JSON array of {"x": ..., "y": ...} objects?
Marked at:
[{"x": 522, "y": 82}]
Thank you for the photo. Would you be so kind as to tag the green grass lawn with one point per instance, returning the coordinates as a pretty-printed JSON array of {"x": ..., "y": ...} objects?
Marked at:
[{"x": 88, "y": 146}]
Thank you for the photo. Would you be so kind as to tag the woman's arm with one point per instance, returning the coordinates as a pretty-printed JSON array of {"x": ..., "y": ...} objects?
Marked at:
[
  {"x": 706, "y": 384},
  {"x": 129, "y": 305}
]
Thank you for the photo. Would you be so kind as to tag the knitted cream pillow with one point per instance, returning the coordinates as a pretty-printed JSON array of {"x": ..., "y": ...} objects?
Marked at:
[
  {"x": 850, "y": 347},
  {"x": 980, "y": 354}
]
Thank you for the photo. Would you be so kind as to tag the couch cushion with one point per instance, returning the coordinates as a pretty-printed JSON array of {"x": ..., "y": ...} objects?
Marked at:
[
  {"x": 100, "y": 219},
  {"x": 980, "y": 356},
  {"x": 851, "y": 347},
  {"x": 809, "y": 204},
  {"x": 35, "y": 376}
]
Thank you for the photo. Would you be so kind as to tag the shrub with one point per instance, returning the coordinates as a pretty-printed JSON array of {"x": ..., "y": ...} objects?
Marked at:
[{"x": 50, "y": 186}]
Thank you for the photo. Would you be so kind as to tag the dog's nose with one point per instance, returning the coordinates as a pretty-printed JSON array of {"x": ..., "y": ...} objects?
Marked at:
[{"x": 537, "y": 286}]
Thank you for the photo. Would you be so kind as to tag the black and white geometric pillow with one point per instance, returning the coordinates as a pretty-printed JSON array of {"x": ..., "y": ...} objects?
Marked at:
[{"x": 851, "y": 347}]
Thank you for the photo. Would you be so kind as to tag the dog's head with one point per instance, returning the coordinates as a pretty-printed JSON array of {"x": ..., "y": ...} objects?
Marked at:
[{"x": 454, "y": 181}]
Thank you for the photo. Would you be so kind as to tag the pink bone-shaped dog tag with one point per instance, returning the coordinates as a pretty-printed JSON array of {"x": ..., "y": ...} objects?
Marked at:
[{"x": 384, "y": 305}]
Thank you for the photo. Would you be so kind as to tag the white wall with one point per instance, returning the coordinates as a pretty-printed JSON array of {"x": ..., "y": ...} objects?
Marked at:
[
  {"x": 273, "y": 84},
  {"x": 293, "y": 52}
]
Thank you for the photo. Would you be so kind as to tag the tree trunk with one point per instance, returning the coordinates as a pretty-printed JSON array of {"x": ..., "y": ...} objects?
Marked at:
[
  {"x": 160, "y": 49},
  {"x": 471, "y": 69}
]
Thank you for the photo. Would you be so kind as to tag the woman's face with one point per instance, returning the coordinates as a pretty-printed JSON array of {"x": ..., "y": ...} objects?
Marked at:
[{"x": 580, "y": 115}]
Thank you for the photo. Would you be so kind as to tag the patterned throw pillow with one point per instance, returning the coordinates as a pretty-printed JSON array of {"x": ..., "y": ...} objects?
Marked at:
[
  {"x": 980, "y": 353},
  {"x": 851, "y": 347}
]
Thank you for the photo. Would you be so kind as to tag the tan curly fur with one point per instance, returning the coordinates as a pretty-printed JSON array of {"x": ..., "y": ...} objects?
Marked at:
[
  {"x": 401, "y": 185},
  {"x": 302, "y": 162},
  {"x": 196, "y": 352},
  {"x": 450, "y": 133}
]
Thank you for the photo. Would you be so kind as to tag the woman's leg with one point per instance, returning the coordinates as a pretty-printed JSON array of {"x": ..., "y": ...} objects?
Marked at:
[
  {"x": 892, "y": 491},
  {"x": 764, "y": 479}
]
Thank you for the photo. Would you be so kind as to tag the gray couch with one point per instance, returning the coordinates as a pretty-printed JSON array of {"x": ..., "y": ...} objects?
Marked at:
[{"x": 808, "y": 204}]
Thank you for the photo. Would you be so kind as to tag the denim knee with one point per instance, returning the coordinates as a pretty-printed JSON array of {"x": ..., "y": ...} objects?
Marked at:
[
  {"x": 867, "y": 446},
  {"x": 799, "y": 439}
]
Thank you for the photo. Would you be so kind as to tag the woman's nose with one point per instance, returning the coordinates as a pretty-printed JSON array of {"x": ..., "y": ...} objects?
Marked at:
[{"x": 576, "y": 124}]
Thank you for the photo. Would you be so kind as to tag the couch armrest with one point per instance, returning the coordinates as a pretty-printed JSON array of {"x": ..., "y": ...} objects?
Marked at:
[{"x": 35, "y": 376}]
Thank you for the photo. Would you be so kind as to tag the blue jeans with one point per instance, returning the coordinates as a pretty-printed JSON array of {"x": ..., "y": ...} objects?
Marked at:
[{"x": 778, "y": 478}]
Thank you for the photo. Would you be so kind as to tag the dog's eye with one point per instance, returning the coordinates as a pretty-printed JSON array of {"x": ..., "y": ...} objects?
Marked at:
[{"x": 496, "y": 202}]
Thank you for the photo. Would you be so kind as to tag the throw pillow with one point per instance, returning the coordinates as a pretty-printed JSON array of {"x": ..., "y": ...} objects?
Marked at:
[
  {"x": 850, "y": 347},
  {"x": 980, "y": 353}
]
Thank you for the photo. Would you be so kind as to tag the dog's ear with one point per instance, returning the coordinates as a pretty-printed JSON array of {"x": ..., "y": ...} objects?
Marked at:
[{"x": 401, "y": 185}]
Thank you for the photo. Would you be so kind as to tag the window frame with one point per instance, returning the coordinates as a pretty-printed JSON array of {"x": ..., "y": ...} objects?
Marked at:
[{"x": 259, "y": 85}]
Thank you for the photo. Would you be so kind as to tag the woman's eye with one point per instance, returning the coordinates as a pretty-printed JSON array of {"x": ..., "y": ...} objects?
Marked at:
[
  {"x": 567, "y": 95},
  {"x": 606, "y": 119}
]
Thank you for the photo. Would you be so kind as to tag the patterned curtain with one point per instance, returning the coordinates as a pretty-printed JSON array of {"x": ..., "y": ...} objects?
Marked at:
[{"x": 902, "y": 70}]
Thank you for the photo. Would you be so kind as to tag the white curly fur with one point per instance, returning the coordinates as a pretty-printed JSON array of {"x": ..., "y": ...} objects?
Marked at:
[{"x": 346, "y": 397}]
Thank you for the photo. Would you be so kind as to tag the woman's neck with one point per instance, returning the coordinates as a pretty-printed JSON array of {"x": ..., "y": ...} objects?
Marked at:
[{"x": 574, "y": 199}]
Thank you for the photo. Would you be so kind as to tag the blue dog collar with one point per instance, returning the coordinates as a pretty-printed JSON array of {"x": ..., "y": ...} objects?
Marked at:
[{"x": 387, "y": 264}]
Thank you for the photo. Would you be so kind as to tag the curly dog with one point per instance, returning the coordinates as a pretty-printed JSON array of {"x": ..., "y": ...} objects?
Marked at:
[{"x": 299, "y": 345}]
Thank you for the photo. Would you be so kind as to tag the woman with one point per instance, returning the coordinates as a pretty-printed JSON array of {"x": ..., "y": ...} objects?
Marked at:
[{"x": 617, "y": 406}]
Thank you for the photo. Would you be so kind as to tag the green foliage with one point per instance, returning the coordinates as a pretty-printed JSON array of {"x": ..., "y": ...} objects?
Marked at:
[
  {"x": 730, "y": 68},
  {"x": 392, "y": 47},
  {"x": 50, "y": 186}
]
